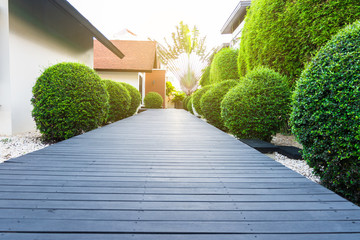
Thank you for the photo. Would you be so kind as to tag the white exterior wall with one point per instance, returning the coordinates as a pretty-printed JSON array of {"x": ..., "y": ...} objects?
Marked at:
[
  {"x": 131, "y": 78},
  {"x": 5, "y": 96},
  {"x": 143, "y": 88},
  {"x": 30, "y": 50}
]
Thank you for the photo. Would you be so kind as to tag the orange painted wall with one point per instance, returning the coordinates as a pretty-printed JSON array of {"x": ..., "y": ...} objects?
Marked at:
[{"x": 155, "y": 82}]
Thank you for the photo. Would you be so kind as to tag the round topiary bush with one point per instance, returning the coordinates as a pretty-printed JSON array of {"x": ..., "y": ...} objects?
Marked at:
[
  {"x": 185, "y": 101},
  {"x": 285, "y": 35},
  {"x": 135, "y": 98},
  {"x": 197, "y": 97},
  {"x": 211, "y": 101},
  {"x": 119, "y": 100},
  {"x": 190, "y": 105},
  {"x": 68, "y": 99},
  {"x": 205, "y": 77},
  {"x": 153, "y": 100},
  {"x": 326, "y": 115},
  {"x": 224, "y": 65},
  {"x": 258, "y": 106}
]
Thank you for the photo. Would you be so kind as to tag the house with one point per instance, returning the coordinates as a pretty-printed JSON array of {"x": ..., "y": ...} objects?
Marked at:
[
  {"x": 235, "y": 23},
  {"x": 140, "y": 66},
  {"x": 33, "y": 36}
]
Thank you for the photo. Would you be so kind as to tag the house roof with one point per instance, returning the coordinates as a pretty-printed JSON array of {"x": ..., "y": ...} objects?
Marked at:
[
  {"x": 72, "y": 12},
  {"x": 236, "y": 17},
  {"x": 140, "y": 56}
]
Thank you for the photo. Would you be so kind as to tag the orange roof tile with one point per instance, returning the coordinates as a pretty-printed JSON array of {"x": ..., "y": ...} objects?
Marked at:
[{"x": 140, "y": 56}]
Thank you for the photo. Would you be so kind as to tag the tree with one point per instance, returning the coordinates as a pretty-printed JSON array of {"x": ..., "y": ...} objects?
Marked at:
[
  {"x": 169, "y": 88},
  {"x": 185, "y": 41},
  {"x": 185, "y": 57},
  {"x": 173, "y": 94}
]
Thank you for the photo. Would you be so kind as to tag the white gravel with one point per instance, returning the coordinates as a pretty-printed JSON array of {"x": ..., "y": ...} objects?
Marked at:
[
  {"x": 299, "y": 166},
  {"x": 20, "y": 144}
]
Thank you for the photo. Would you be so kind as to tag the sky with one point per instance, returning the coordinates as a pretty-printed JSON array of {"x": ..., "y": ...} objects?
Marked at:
[{"x": 158, "y": 18}]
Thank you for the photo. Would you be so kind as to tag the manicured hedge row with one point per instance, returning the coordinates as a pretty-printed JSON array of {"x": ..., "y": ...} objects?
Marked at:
[
  {"x": 196, "y": 97},
  {"x": 68, "y": 99},
  {"x": 185, "y": 101},
  {"x": 285, "y": 35},
  {"x": 135, "y": 99},
  {"x": 190, "y": 105},
  {"x": 258, "y": 106},
  {"x": 326, "y": 113},
  {"x": 224, "y": 66},
  {"x": 119, "y": 100},
  {"x": 210, "y": 102}
]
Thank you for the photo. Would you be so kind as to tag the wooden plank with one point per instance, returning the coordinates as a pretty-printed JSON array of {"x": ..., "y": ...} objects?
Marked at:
[
  {"x": 165, "y": 215},
  {"x": 172, "y": 190},
  {"x": 170, "y": 197},
  {"x": 120, "y": 179},
  {"x": 107, "y": 236},
  {"x": 84, "y": 226},
  {"x": 159, "y": 184},
  {"x": 59, "y": 170},
  {"x": 148, "y": 166},
  {"x": 109, "y": 176},
  {"x": 143, "y": 205}
]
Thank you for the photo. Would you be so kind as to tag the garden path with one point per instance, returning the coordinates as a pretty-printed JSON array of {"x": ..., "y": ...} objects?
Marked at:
[{"x": 164, "y": 174}]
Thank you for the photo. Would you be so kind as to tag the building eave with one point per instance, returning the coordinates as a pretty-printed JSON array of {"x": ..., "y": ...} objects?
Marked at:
[
  {"x": 72, "y": 12},
  {"x": 236, "y": 17}
]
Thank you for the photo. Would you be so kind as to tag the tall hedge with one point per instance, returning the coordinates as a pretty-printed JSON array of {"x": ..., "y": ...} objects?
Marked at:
[
  {"x": 119, "y": 100},
  {"x": 258, "y": 106},
  {"x": 224, "y": 65},
  {"x": 326, "y": 113},
  {"x": 68, "y": 99},
  {"x": 135, "y": 99},
  {"x": 285, "y": 35},
  {"x": 211, "y": 101}
]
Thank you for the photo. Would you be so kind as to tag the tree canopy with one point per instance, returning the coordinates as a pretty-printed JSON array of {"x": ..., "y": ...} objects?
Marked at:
[
  {"x": 185, "y": 57},
  {"x": 186, "y": 41}
]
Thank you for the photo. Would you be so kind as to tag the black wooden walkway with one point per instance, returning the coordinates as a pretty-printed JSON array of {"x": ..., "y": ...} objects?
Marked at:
[{"x": 164, "y": 175}]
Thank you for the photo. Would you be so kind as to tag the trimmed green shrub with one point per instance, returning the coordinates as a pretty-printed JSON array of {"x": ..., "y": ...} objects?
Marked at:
[
  {"x": 135, "y": 99},
  {"x": 224, "y": 65},
  {"x": 68, "y": 99},
  {"x": 178, "y": 96},
  {"x": 258, "y": 106},
  {"x": 205, "y": 77},
  {"x": 119, "y": 100},
  {"x": 285, "y": 35},
  {"x": 190, "y": 105},
  {"x": 211, "y": 101},
  {"x": 185, "y": 102},
  {"x": 153, "y": 100},
  {"x": 197, "y": 96},
  {"x": 326, "y": 113}
]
